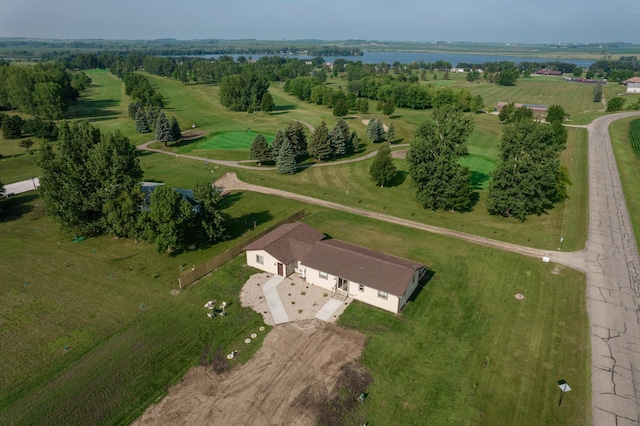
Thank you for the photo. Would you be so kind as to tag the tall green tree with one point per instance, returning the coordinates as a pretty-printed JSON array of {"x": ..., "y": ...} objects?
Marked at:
[
  {"x": 297, "y": 136},
  {"x": 555, "y": 114},
  {"x": 169, "y": 220},
  {"x": 320, "y": 145},
  {"x": 163, "y": 129},
  {"x": 375, "y": 130},
  {"x": 388, "y": 107},
  {"x": 87, "y": 172},
  {"x": 277, "y": 142},
  {"x": 286, "y": 160},
  {"x": 12, "y": 127},
  {"x": 391, "y": 134},
  {"x": 210, "y": 220},
  {"x": 382, "y": 169},
  {"x": 339, "y": 137},
  {"x": 477, "y": 104},
  {"x": 176, "y": 133},
  {"x": 433, "y": 160},
  {"x": 266, "y": 104},
  {"x": 260, "y": 150},
  {"x": 26, "y": 143},
  {"x": 141, "y": 121},
  {"x": 526, "y": 181},
  {"x": 340, "y": 108}
]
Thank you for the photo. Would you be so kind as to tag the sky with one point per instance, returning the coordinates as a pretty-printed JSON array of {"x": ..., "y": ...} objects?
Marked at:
[{"x": 509, "y": 21}]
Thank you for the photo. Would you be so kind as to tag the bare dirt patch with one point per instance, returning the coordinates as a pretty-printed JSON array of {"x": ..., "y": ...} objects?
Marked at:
[
  {"x": 384, "y": 126},
  {"x": 402, "y": 153},
  {"x": 298, "y": 358}
]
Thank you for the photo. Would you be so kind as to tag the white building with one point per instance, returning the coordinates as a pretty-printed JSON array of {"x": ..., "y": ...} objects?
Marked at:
[{"x": 343, "y": 269}]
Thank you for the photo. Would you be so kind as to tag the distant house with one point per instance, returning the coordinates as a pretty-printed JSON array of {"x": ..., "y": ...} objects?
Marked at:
[
  {"x": 345, "y": 270},
  {"x": 546, "y": 71},
  {"x": 539, "y": 111},
  {"x": 633, "y": 85}
]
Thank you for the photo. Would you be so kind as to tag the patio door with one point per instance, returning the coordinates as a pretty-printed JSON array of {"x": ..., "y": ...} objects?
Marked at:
[{"x": 343, "y": 284}]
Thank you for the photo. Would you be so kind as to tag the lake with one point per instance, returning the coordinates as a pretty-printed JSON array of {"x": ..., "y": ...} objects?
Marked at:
[{"x": 408, "y": 57}]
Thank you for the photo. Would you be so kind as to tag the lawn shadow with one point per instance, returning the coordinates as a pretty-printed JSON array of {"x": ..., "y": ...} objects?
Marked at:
[
  {"x": 396, "y": 141},
  {"x": 478, "y": 179},
  {"x": 185, "y": 142},
  {"x": 282, "y": 108},
  {"x": 230, "y": 199},
  {"x": 16, "y": 206},
  {"x": 95, "y": 109},
  {"x": 398, "y": 179},
  {"x": 237, "y": 226},
  {"x": 422, "y": 284}
]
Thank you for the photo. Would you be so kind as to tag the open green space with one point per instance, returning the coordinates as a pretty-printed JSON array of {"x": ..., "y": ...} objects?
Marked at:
[
  {"x": 231, "y": 140},
  {"x": 91, "y": 333},
  {"x": 629, "y": 168},
  {"x": 464, "y": 349}
]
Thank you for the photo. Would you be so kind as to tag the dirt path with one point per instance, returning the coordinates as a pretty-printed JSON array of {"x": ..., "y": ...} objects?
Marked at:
[{"x": 301, "y": 358}]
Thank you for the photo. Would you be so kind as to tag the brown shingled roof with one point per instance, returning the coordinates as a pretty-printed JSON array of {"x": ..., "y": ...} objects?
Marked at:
[
  {"x": 287, "y": 242},
  {"x": 374, "y": 269}
]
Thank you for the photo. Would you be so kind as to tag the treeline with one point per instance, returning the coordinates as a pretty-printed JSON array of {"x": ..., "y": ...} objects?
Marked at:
[
  {"x": 104, "y": 195},
  {"x": 383, "y": 88},
  {"x": 138, "y": 87},
  {"x": 619, "y": 71},
  {"x": 15, "y": 127},
  {"x": 45, "y": 90}
]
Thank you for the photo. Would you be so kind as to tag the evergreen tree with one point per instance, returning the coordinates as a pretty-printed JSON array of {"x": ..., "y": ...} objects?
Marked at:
[
  {"x": 260, "y": 150},
  {"x": 382, "y": 170},
  {"x": 152, "y": 117},
  {"x": 353, "y": 143},
  {"x": 209, "y": 218},
  {"x": 391, "y": 134},
  {"x": 388, "y": 107},
  {"x": 276, "y": 143},
  {"x": 339, "y": 137},
  {"x": 267, "y": 105},
  {"x": 433, "y": 160},
  {"x": 375, "y": 130},
  {"x": 286, "y": 160},
  {"x": 297, "y": 137},
  {"x": 340, "y": 108},
  {"x": 163, "y": 129},
  {"x": 142, "y": 122},
  {"x": 320, "y": 145},
  {"x": 597, "y": 93},
  {"x": 12, "y": 127},
  {"x": 176, "y": 133}
]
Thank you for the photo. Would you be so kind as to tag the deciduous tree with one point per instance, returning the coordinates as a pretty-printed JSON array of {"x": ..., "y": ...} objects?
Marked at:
[
  {"x": 382, "y": 169},
  {"x": 433, "y": 160},
  {"x": 26, "y": 143}
]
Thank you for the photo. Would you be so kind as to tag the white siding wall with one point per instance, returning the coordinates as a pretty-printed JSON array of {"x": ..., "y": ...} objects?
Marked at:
[
  {"x": 270, "y": 264},
  {"x": 412, "y": 287},
  {"x": 369, "y": 295},
  {"x": 633, "y": 88}
]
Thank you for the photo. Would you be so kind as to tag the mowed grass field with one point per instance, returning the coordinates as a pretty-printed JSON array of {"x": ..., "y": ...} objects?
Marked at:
[{"x": 464, "y": 351}]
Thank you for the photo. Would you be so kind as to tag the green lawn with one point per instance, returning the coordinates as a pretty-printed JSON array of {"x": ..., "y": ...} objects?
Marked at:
[
  {"x": 465, "y": 351},
  {"x": 629, "y": 168}
]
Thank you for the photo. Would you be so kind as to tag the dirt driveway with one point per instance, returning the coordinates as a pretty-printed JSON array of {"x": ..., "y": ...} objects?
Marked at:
[{"x": 297, "y": 358}]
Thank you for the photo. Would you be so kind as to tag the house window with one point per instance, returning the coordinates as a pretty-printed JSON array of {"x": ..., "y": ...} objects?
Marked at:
[
  {"x": 383, "y": 294},
  {"x": 361, "y": 287},
  {"x": 323, "y": 275},
  {"x": 259, "y": 259}
]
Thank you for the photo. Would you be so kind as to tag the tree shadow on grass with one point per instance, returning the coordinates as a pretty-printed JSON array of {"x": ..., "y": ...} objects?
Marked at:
[
  {"x": 398, "y": 179},
  {"x": 478, "y": 179},
  {"x": 237, "y": 226},
  {"x": 95, "y": 109},
  {"x": 16, "y": 206},
  {"x": 186, "y": 142},
  {"x": 230, "y": 199}
]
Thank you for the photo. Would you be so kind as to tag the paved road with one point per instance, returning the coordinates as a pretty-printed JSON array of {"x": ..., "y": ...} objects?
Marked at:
[{"x": 22, "y": 186}]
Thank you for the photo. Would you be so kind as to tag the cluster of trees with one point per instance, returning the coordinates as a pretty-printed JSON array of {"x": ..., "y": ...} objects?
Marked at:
[
  {"x": 91, "y": 185},
  {"x": 244, "y": 92},
  {"x": 154, "y": 120},
  {"x": 616, "y": 70},
  {"x": 44, "y": 90},
  {"x": 291, "y": 144},
  {"x": 15, "y": 127},
  {"x": 433, "y": 160},
  {"x": 375, "y": 130},
  {"x": 138, "y": 87},
  {"x": 529, "y": 178}
]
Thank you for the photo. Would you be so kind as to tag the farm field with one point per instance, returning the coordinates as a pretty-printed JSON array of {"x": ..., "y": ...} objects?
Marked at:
[{"x": 464, "y": 351}]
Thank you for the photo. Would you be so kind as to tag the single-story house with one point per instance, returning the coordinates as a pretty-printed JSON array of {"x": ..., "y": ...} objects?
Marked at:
[
  {"x": 546, "y": 71},
  {"x": 343, "y": 269},
  {"x": 633, "y": 85}
]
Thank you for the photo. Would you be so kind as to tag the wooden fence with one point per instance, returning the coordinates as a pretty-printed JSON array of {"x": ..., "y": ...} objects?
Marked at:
[{"x": 189, "y": 277}]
